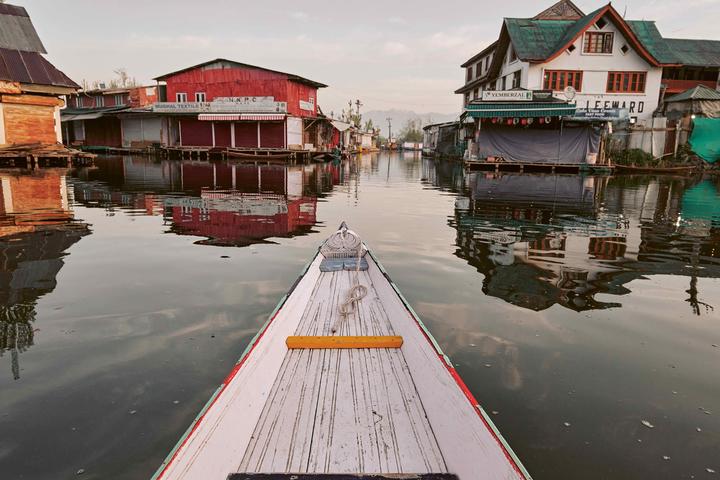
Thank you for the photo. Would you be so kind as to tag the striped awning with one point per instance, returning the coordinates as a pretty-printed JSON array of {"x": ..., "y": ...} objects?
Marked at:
[
  {"x": 232, "y": 117},
  {"x": 520, "y": 110}
]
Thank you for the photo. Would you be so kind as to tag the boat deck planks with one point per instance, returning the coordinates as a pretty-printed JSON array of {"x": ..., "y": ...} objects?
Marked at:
[
  {"x": 355, "y": 411},
  {"x": 344, "y": 411}
]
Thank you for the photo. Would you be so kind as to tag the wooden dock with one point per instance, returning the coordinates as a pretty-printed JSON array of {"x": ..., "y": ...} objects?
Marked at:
[
  {"x": 516, "y": 167},
  {"x": 243, "y": 155},
  {"x": 42, "y": 156}
]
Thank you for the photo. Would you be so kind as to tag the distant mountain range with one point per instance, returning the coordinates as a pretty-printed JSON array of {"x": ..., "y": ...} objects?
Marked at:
[{"x": 401, "y": 117}]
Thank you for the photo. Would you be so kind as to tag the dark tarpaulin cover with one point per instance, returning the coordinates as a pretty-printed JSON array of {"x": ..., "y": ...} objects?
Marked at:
[{"x": 534, "y": 145}]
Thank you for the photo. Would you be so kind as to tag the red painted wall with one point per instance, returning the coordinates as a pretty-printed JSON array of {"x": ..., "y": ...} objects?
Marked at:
[
  {"x": 241, "y": 82},
  {"x": 195, "y": 133},
  {"x": 246, "y": 135},
  {"x": 103, "y": 132},
  {"x": 272, "y": 134},
  {"x": 222, "y": 134},
  {"x": 88, "y": 101}
]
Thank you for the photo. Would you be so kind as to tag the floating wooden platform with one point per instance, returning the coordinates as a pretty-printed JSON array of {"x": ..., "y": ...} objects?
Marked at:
[
  {"x": 342, "y": 412},
  {"x": 516, "y": 167},
  {"x": 680, "y": 170},
  {"x": 34, "y": 156}
]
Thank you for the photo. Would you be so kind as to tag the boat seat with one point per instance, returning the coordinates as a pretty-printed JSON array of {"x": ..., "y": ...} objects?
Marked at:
[
  {"x": 342, "y": 476},
  {"x": 337, "y": 342},
  {"x": 339, "y": 264}
]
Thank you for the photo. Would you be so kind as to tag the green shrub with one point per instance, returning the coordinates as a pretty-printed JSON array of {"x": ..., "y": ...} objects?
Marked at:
[{"x": 634, "y": 156}]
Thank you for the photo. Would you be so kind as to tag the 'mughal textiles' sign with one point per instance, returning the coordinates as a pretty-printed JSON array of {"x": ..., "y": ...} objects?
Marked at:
[
  {"x": 507, "y": 95},
  {"x": 222, "y": 106}
]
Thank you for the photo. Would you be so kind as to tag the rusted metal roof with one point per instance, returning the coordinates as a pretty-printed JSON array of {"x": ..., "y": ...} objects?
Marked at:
[
  {"x": 17, "y": 31},
  {"x": 221, "y": 61},
  {"x": 31, "y": 68}
]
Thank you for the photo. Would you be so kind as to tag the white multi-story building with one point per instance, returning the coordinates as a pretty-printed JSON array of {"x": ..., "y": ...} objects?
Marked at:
[{"x": 610, "y": 62}]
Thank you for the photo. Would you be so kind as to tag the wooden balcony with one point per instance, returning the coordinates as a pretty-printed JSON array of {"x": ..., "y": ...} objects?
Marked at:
[{"x": 678, "y": 86}]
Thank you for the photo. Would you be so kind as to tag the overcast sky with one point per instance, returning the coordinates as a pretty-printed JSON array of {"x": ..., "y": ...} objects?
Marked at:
[{"x": 390, "y": 54}]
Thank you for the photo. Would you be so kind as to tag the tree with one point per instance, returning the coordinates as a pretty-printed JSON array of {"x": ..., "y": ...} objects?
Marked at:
[
  {"x": 122, "y": 80},
  {"x": 369, "y": 126},
  {"x": 412, "y": 131}
]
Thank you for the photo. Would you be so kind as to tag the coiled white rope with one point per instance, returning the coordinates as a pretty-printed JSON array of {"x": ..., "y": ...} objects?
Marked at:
[{"x": 356, "y": 293}]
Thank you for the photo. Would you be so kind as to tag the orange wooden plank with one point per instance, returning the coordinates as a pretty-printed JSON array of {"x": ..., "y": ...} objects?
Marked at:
[{"x": 326, "y": 342}]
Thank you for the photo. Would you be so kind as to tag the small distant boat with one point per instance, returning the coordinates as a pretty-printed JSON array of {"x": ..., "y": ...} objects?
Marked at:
[
  {"x": 327, "y": 157},
  {"x": 678, "y": 170},
  {"x": 259, "y": 156},
  {"x": 342, "y": 382}
]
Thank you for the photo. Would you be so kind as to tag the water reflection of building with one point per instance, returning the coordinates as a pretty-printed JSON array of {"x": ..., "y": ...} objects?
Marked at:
[
  {"x": 36, "y": 229},
  {"x": 244, "y": 204},
  {"x": 229, "y": 204},
  {"x": 542, "y": 240}
]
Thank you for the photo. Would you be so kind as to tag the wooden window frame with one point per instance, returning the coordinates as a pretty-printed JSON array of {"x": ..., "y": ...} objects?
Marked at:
[
  {"x": 590, "y": 46},
  {"x": 557, "y": 80},
  {"x": 468, "y": 76},
  {"x": 512, "y": 57},
  {"x": 626, "y": 82},
  {"x": 119, "y": 99},
  {"x": 99, "y": 101},
  {"x": 199, "y": 95},
  {"x": 181, "y": 97},
  {"x": 517, "y": 75}
]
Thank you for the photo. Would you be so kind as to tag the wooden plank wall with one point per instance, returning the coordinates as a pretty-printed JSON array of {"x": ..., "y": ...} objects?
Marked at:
[{"x": 29, "y": 118}]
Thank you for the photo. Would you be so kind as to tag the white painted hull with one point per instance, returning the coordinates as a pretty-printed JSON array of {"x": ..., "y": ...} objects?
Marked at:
[{"x": 342, "y": 411}]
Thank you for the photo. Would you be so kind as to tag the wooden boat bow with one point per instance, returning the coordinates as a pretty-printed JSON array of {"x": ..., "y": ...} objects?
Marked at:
[{"x": 390, "y": 405}]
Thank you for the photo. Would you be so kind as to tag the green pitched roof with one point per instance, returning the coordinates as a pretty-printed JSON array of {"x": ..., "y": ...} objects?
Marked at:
[
  {"x": 650, "y": 37},
  {"x": 539, "y": 39},
  {"x": 536, "y": 39},
  {"x": 577, "y": 27},
  {"x": 697, "y": 53},
  {"x": 700, "y": 92}
]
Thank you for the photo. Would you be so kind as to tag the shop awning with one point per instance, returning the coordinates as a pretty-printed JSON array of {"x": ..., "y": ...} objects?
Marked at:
[
  {"x": 340, "y": 126},
  {"x": 257, "y": 117},
  {"x": 520, "y": 110},
  {"x": 82, "y": 116},
  {"x": 211, "y": 117}
]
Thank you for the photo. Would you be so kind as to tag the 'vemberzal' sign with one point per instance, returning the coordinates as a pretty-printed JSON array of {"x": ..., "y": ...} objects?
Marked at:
[{"x": 507, "y": 95}]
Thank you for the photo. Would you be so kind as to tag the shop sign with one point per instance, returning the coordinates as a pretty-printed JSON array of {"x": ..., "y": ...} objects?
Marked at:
[
  {"x": 507, "y": 96},
  {"x": 223, "y": 106}
]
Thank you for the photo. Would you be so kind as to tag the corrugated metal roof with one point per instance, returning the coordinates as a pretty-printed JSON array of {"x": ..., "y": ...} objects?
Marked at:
[
  {"x": 536, "y": 39},
  {"x": 649, "y": 35},
  {"x": 701, "y": 92},
  {"x": 31, "y": 68},
  {"x": 696, "y": 53},
  {"x": 17, "y": 31},
  {"x": 221, "y": 61}
]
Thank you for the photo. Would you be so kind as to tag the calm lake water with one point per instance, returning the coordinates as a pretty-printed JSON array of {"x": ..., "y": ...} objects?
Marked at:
[{"x": 576, "y": 308}]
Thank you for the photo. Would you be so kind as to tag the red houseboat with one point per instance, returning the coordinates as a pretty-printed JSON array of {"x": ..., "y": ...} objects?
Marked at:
[{"x": 227, "y": 104}]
